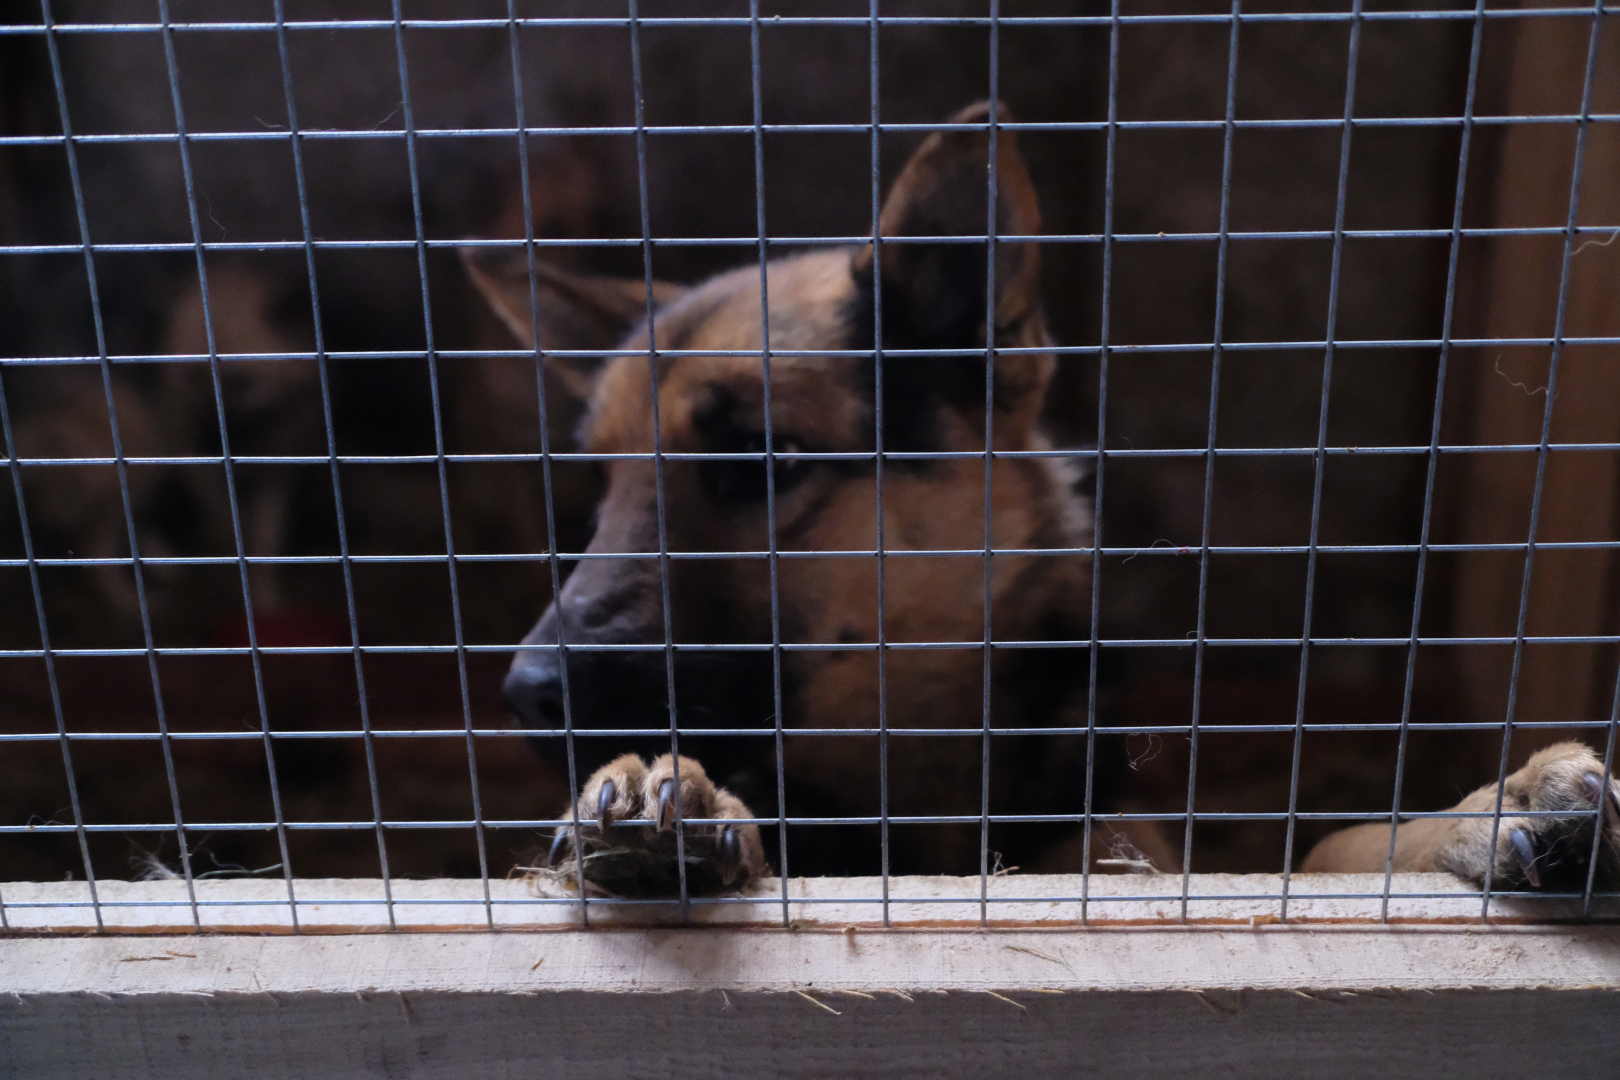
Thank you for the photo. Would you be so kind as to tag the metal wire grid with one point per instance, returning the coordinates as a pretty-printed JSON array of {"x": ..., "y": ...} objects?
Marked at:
[{"x": 1356, "y": 18}]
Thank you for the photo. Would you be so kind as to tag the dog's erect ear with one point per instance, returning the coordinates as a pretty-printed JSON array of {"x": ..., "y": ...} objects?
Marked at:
[
  {"x": 577, "y": 311},
  {"x": 944, "y": 190},
  {"x": 934, "y": 295}
]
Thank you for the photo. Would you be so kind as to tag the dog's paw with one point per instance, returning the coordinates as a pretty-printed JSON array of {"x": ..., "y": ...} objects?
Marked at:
[
  {"x": 1551, "y": 852},
  {"x": 642, "y": 860}
]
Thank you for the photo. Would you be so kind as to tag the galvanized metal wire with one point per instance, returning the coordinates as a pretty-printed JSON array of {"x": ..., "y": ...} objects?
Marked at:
[{"x": 762, "y": 245}]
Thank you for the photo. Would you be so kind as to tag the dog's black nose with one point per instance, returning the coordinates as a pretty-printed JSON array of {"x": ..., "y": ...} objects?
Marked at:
[{"x": 533, "y": 691}]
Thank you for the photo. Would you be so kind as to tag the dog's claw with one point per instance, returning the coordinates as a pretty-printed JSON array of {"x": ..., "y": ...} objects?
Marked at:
[
  {"x": 1526, "y": 855},
  {"x": 1595, "y": 790},
  {"x": 556, "y": 845},
  {"x": 730, "y": 852},
  {"x": 604, "y": 804},
  {"x": 666, "y": 794}
]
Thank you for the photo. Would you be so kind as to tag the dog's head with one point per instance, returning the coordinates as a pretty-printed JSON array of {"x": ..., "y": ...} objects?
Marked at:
[{"x": 930, "y": 297}]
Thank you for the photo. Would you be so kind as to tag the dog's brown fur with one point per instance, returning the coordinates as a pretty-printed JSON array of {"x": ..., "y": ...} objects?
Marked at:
[{"x": 711, "y": 399}]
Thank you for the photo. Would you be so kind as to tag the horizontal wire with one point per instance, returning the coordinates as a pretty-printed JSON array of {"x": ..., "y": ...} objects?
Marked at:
[
  {"x": 770, "y": 732},
  {"x": 1053, "y": 350},
  {"x": 865, "y": 819},
  {"x": 812, "y": 455},
  {"x": 736, "y": 647},
  {"x": 156, "y": 246},
  {"x": 721, "y": 901},
  {"x": 780, "y": 21},
  {"x": 803, "y": 455},
  {"x": 789, "y": 455},
  {"x": 77, "y": 562},
  {"x": 593, "y": 647},
  {"x": 1044, "y": 126}
]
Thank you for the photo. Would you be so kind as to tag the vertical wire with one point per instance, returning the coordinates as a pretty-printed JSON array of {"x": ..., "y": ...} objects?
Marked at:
[
  {"x": 1434, "y": 443},
  {"x": 1229, "y": 129},
  {"x": 658, "y": 453},
  {"x": 105, "y": 363},
  {"x": 1321, "y": 448},
  {"x": 50, "y": 661},
  {"x": 1581, "y": 127},
  {"x": 877, "y": 421},
  {"x": 545, "y": 456},
  {"x": 989, "y": 456},
  {"x": 1103, "y": 355},
  {"x": 770, "y": 445},
  {"x": 225, "y": 456},
  {"x": 438, "y": 450},
  {"x": 1094, "y": 648},
  {"x": 1608, "y": 775},
  {"x": 366, "y": 737}
]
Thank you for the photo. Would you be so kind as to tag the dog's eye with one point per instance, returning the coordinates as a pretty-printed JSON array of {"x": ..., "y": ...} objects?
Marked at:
[{"x": 744, "y": 481}]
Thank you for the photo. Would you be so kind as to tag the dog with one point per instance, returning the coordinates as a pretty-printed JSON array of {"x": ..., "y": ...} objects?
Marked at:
[
  {"x": 170, "y": 410},
  {"x": 635, "y": 594}
]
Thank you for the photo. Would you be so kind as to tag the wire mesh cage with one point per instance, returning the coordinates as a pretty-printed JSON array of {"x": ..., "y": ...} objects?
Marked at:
[{"x": 1207, "y": 446}]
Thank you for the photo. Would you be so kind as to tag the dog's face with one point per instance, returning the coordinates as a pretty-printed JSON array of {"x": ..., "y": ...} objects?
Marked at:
[{"x": 711, "y": 399}]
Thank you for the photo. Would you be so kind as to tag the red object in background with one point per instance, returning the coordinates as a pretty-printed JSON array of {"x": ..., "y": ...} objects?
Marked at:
[{"x": 288, "y": 628}]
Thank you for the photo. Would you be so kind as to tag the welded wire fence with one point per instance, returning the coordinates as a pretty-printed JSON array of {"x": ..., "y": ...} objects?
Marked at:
[{"x": 183, "y": 820}]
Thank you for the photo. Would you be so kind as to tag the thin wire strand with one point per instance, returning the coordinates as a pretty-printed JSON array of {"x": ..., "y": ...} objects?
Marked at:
[
  {"x": 229, "y": 466},
  {"x": 438, "y": 447},
  {"x": 719, "y": 901},
  {"x": 877, "y": 463},
  {"x": 1105, "y": 341},
  {"x": 687, "y": 21},
  {"x": 345, "y": 560},
  {"x": 35, "y": 586},
  {"x": 150, "y": 650},
  {"x": 658, "y": 455},
  {"x": 801, "y": 553},
  {"x": 1059, "y": 920},
  {"x": 975, "y": 644},
  {"x": 1453, "y": 258},
  {"x": 384, "y": 135},
  {"x": 770, "y": 450},
  {"x": 553, "y": 563},
  {"x": 989, "y": 460},
  {"x": 1158, "y": 348},
  {"x": 812, "y": 732},
  {"x": 1601, "y": 817},
  {"x": 1207, "y": 524},
  {"x": 50, "y": 665},
  {"x": 1347, "y": 816},
  {"x": 1597, "y": 232},
  {"x": 1076, "y": 453},
  {"x": 1321, "y": 456},
  {"x": 1581, "y": 131}
]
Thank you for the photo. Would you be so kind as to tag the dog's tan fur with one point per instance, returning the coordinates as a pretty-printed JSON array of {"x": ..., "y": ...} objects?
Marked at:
[{"x": 709, "y": 400}]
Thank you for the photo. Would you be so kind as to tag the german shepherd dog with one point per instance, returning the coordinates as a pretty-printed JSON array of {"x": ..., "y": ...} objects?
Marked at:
[{"x": 711, "y": 399}]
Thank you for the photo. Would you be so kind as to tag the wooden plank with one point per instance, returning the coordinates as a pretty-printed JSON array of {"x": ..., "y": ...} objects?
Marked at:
[
  {"x": 338, "y": 905},
  {"x": 1126, "y": 1002},
  {"x": 1332, "y": 993}
]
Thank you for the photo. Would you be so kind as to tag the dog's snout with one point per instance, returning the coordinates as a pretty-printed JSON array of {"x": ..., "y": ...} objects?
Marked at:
[{"x": 533, "y": 691}]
